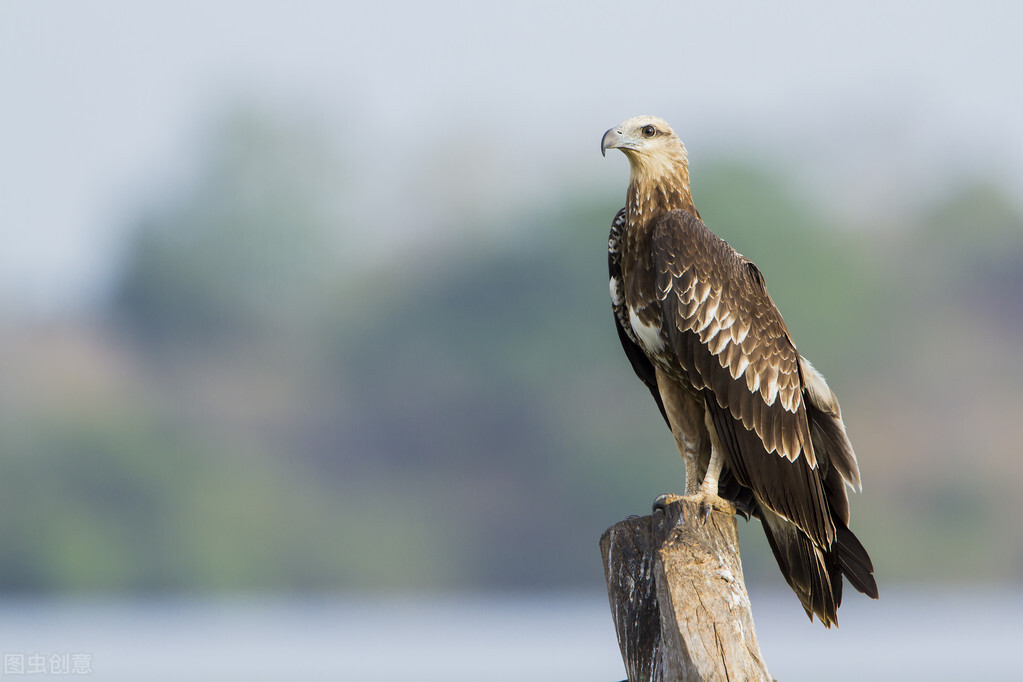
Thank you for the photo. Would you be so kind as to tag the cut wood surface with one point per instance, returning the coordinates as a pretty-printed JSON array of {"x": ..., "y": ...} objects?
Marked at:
[{"x": 679, "y": 603}]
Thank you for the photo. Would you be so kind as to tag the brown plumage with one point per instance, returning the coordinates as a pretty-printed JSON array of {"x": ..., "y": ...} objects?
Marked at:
[{"x": 755, "y": 422}]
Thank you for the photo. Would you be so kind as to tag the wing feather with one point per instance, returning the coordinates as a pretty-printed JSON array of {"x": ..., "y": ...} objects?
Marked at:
[
  {"x": 641, "y": 364},
  {"x": 751, "y": 380}
]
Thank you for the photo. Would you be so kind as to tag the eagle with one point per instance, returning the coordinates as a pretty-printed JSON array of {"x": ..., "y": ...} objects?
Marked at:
[{"x": 760, "y": 431}]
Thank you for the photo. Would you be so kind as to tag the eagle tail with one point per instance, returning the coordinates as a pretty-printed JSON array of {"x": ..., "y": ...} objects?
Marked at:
[
  {"x": 815, "y": 573},
  {"x": 815, "y": 580},
  {"x": 855, "y": 562}
]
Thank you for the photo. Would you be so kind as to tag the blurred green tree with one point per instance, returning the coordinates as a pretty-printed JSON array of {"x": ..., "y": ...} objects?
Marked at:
[{"x": 250, "y": 247}]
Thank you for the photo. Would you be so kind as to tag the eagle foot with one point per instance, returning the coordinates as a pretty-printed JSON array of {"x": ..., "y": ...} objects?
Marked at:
[
  {"x": 663, "y": 500},
  {"x": 709, "y": 502}
]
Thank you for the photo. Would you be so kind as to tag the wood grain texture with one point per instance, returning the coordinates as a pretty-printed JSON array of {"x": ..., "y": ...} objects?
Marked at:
[{"x": 678, "y": 599}]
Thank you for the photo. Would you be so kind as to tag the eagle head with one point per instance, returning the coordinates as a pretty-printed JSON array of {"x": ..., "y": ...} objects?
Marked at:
[
  {"x": 654, "y": 151},
  {"x": 643, "y": 136}
]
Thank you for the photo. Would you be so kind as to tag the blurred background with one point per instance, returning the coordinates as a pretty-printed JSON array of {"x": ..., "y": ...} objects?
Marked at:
[{"x": 306, "y": 348}]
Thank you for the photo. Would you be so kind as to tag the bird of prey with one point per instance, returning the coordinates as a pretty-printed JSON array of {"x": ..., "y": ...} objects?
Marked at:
[{"x": 760, "y": 431}]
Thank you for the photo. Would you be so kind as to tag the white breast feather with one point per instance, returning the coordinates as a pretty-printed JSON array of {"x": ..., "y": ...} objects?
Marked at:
[
  {"x": 649, "y": 336},
  {"x": 616, "y": 291}
]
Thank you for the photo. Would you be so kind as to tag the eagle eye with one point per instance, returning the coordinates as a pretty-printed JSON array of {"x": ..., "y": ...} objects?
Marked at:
[{"x": 649, "y": 131}]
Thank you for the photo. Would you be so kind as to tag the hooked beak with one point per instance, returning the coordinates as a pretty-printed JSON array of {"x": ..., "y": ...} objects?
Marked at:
[{"x": 612, "y": 140}]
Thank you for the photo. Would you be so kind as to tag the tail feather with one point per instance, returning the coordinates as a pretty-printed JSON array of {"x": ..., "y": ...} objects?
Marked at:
[
  {"x": 804, "y": 567},
  {"x": 815, "y": 573},
  {"x": 855, "y": 562}
]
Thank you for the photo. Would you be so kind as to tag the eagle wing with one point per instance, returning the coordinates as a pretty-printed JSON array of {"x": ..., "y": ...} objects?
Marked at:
[
  {"x": 733, "y": 345},
  {"x": 641, "y": 364}
]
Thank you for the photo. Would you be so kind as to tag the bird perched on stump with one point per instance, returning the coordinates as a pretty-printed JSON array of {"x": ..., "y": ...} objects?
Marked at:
[{"x": 759, "y": 429}]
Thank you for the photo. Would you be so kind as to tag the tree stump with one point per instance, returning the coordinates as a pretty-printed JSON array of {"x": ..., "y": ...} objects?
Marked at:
[{"x": 678, "y": 598}]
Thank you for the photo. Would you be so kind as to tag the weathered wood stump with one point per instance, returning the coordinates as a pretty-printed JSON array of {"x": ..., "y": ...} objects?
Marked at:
[{"x": 678, "y": 598}]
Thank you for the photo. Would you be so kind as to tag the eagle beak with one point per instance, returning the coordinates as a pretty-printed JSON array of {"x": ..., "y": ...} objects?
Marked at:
[{"x": 612, "y": 139}]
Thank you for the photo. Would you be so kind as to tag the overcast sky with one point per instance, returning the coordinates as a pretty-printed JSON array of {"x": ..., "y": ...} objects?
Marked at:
[{"x": 105, "y": 101}]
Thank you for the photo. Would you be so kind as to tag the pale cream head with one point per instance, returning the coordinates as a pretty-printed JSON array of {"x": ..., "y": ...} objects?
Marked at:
[
  {"x": 652, "y": 147},
  {"x": 659, "y": 177}
]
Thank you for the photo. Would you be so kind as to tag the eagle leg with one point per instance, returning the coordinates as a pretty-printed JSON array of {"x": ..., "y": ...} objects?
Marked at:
[
  {"x": 684, "y": 413},
  {"x": 707, "y": 495}
]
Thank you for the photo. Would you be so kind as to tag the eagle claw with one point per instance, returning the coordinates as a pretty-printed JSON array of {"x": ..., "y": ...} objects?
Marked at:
[
  {"x": 663, "y": 500},
  {"x": 706, "y": 509}
]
